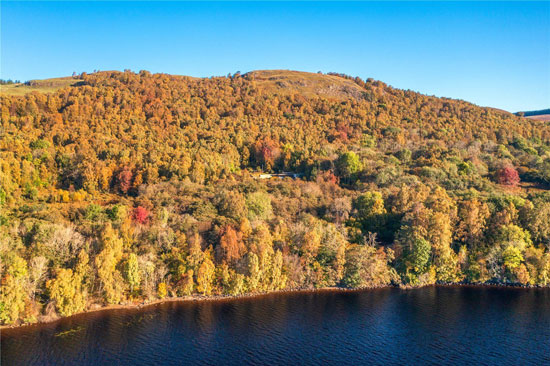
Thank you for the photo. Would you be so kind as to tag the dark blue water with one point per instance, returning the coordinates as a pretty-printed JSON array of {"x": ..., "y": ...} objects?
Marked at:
[{"x": 435, "y": 325}]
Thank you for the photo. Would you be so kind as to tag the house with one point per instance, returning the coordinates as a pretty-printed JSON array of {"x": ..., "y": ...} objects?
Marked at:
[{"x": 279, "y": 175}]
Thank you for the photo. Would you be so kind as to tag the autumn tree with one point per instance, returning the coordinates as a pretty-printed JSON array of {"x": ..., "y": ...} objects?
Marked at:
[
  {"x": 124, "y": 180},
  {"x": 110, "y": 278},
  {"x": 231, "y": 245},
  {"x": 12, "y": 297},
  {"x": 205, "y": 276},
  {"x": 266, "y": 153},
  {"x": 508, "y": 176},
  {"x": 367, "y": 266},
  {"x": 140, "y": 215},
  {"x": 472, "y": 215},
  {"x": 66, "y": 291}
]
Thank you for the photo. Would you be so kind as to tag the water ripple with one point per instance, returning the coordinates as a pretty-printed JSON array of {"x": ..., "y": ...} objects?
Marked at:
[{"x": 435, "y": 325}]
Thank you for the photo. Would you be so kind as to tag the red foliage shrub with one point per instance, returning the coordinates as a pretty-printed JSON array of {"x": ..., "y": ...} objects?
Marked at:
[
  {"x": 124, "y": 180},
  {"x": 508, "y": 176},
  {"x": 327, "y": 176},
  {"x": 140, "y": 215},
  {"x": 343, "y": 132},
  {"x": 266, "y": 152}
]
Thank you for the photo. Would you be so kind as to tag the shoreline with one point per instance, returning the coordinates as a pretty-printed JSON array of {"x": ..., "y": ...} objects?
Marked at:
[
  {"x": 217, "y": 298},
  {"x": 190, "y": 298}
]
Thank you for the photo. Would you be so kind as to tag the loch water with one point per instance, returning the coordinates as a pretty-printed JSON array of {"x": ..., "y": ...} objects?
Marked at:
[{"x": 439, "y": 325}]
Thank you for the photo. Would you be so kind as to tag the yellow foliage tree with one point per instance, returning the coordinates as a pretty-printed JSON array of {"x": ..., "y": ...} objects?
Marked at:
[{"x": 205, "y": 276}]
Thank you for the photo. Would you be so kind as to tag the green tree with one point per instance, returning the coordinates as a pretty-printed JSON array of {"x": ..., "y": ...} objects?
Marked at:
[
  {"x": 512, "y": 257},
  {"x": 415, "y": 261},
  {"x": 259, "y": 205},
  {"x": 132, "y": 272},
  {"x": 538, "y": 219},
  {"x": 419, "y": 256},
  {"x": 371, "y": 213},
  {"x": 347, "y": 166}
]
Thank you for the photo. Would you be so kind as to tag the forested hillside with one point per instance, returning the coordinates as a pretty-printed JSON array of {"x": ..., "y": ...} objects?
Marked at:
[{"x": 125, "y": 187}]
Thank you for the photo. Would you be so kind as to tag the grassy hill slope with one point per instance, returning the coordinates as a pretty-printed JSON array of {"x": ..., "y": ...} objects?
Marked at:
[
  {"x": 305, "y": 84},
  {"x": 42, "y": 86}
]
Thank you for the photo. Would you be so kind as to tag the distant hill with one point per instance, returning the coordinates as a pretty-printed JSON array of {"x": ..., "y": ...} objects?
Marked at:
[
  {"x": 43, "y": 86},
  {"x": 540, "y": 115}
]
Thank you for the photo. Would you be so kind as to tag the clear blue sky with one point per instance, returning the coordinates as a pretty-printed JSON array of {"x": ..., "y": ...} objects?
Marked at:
[{"x": 493, "y": 54}]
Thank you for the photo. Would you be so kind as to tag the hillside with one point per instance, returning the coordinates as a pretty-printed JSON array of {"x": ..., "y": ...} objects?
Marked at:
[
  {"x": 119, "y": 187},
  {"x": 269, "y": 81},
  {"x": 284, "y": 82}
]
